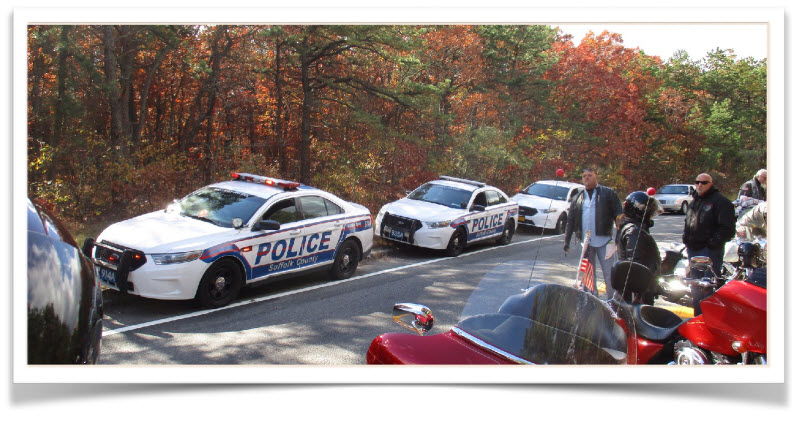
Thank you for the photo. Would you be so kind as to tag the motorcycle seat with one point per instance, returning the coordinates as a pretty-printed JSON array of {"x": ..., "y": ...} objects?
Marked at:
[{"x": 653, "y": 323}]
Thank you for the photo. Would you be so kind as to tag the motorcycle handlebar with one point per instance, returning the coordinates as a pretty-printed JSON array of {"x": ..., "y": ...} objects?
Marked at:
[{"x": 701, "y": 282}]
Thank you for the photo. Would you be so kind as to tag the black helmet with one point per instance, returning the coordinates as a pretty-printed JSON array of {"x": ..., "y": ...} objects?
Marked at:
[
  {"x": 638, "y": 204},
  {"x": 749, "y": 253}
]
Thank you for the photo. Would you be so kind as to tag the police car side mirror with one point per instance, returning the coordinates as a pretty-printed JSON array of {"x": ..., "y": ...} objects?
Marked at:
[
  {"x": 476, "y": 207},
  {"x": 266, "y": 225}
]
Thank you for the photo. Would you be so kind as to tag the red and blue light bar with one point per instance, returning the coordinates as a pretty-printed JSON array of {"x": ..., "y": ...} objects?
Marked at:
[{"x": 254, "y": 178}]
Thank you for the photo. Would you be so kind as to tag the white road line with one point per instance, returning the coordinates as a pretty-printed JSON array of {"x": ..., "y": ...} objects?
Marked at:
[{"x": 107, "y": 333}]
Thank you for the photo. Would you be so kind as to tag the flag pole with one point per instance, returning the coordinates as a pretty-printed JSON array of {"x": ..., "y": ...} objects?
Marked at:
[{"x": 577, "y": 282}]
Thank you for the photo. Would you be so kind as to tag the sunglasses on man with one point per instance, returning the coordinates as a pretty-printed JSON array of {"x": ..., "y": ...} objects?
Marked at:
[{"x": 702, "y": 182}]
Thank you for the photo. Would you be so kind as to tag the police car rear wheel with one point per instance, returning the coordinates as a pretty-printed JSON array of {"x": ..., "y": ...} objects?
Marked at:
[
  {"x": 507, "y": 234},
  {"x": 346, "y": 260},
  {"x": 220, "y": 284},
  {"x": 457, "y": 243}
]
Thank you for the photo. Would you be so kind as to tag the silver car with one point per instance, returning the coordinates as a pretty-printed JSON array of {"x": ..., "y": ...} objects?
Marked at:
[{"x": 675, "y": 198}]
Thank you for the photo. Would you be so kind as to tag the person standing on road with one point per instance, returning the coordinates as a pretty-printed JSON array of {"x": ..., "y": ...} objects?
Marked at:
[
  {"x": 752, "y": 192},
  {"x": 633, "y": 239},
  {"x": 709, "y": 224},
  {"x": 595, "y": 209}
]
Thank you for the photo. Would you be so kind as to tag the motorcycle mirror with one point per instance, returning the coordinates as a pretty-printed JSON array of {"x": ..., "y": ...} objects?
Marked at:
[
  {"x": 414, "y": 317},
  {"x": 701, "y": 263}
]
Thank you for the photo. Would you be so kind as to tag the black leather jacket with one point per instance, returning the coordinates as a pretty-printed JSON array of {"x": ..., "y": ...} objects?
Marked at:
[
  {"x": 608, "y": 207},
  {"x": 636, "y": 244},
  {"x": 709, "y": 222}
]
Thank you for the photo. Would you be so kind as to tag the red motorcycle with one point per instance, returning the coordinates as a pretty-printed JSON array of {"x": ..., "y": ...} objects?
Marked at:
[{"x": 732, "y": 328}]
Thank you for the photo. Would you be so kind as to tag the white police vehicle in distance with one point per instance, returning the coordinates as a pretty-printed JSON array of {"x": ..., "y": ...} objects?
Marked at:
[
  {"x": 209, "y": 244},
  {"x": 545, "y": 204},
  {"x": 676, "y": 197},
  {"x": 449, "y": 214}
]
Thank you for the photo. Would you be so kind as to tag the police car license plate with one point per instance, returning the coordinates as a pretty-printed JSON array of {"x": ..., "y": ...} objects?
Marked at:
[
  {"x": 397, "y": 234},
  {"x": 106, "y": 274},
  {"x": 521, "y": 218}
]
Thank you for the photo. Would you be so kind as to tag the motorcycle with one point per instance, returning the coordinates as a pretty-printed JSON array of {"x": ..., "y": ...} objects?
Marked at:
[
  {"x": 546, "y": 323},
  {"x": 673, "y": 269},
  {"x": 732, "y": 328},
  {"x": 743, "y": 256}
]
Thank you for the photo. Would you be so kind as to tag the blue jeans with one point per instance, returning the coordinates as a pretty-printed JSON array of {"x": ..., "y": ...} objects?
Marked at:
[
  {"x": 698, "y": 293},
  {"x": 606, "y": 266}
]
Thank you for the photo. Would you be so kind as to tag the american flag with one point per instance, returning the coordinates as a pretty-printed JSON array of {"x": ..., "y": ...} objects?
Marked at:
[{"x": 587, "y": 279}]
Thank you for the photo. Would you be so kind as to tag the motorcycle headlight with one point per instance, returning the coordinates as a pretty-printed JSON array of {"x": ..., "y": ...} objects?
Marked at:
[
  {"x": 175, "y": 258},
  {"x": 438, "y": 224}
]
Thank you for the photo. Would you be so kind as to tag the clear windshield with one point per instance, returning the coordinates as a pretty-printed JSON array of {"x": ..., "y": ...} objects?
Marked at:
[
  {"x": 220, "y": 206},
  {"x": 442, "y": 195},
  {"x": 559, "y": 193},
  {"x": 548, "y": 323},
  {"x": 674, "y": 190}
]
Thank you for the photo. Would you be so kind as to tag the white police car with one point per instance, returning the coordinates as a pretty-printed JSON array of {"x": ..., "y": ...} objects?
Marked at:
[
  {"x": 545, "y": 204},
  {"x": 449, "y": 214},
  {"x": 220, "y": 237}
]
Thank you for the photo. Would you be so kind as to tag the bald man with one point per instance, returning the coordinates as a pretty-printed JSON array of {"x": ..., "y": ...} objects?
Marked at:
[{"x": 709, "y": 224}]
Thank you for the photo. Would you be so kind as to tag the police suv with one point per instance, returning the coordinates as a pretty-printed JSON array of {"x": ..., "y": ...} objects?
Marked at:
[
  {"x": 449, "y": 214},
  {"x": 225, "y": 235}
]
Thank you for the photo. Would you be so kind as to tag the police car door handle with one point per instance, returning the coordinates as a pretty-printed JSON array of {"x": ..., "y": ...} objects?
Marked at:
[
  {"x": 337, "y": 224},
  {"x": 293, "y": 232}
]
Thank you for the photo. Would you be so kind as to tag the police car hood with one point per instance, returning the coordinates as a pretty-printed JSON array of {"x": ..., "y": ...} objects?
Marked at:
[
  {"x": 423, "y": 211},
  {"x": 159, "y": 232},
  {"x": 539, "y": 202}
]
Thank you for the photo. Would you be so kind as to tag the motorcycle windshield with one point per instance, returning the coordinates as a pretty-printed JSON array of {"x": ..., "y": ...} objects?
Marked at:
[{"x": 545, "y": 324}]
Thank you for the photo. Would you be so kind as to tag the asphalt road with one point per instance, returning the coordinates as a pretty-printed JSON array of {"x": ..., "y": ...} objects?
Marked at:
[{"x": 311, "y": 320}]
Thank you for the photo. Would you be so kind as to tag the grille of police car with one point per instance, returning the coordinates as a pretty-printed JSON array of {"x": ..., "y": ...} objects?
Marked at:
[
  {"x": 401, "y": 223},
  {"x": 111, "y": 254},
  {"x": 527, "y": 211}
]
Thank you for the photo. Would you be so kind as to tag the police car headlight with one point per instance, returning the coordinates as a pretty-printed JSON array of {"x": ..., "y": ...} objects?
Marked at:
[
  {"x": 438, "y": 224},
  {"x": 174, "y": 258}
]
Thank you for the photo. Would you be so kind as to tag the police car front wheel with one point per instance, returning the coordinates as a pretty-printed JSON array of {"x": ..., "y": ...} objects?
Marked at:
[
  {"x": 220, "y": 284},
  {"x": 457, "y": 243}
]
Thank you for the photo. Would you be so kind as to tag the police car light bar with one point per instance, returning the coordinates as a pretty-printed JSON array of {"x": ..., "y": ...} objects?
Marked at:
[
  {"x": 246, "y": 177},
  {"x": 466, "y": 181}
]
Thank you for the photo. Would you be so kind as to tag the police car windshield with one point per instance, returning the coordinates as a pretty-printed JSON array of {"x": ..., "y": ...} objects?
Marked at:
[
  {"x": 220, "y": 206},
  {"x": 671, "y": 189},
  {"x": 442, "y": 195},
  {"x": 547, "y": 191}
]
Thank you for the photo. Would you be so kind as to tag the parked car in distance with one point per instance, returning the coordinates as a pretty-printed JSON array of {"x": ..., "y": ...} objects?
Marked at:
[
  {"x": 211, "y": 243},
  {"x": 65, "y": 305},
  {"x": 449, "y": 214},
  {"x": 676, "y": 197},
  {"x": 545, "y": 204}
]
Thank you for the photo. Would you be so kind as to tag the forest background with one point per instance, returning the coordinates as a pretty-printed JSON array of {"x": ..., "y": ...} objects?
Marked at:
[{"x": 124, "y": 118}]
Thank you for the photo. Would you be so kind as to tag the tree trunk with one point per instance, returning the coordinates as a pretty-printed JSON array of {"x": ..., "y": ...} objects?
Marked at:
[{"x": 304, "y": 141}]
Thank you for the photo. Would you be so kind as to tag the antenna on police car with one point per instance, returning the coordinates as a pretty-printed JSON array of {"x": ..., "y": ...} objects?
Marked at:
[{"x": 559, "y": 173}]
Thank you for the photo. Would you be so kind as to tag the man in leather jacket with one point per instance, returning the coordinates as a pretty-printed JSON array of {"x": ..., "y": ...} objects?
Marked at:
[
  {"x": 594, "y": 209},
  {"x": 633, "y": 239},
  {"x": 709, "y": 224}
]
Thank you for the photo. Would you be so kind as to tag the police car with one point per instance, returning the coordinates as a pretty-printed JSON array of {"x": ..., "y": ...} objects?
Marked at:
[
  {"x": 449, "y": 214},
  {"x": 545, "y": 204},
  {"x": 225, "y": 235}
]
